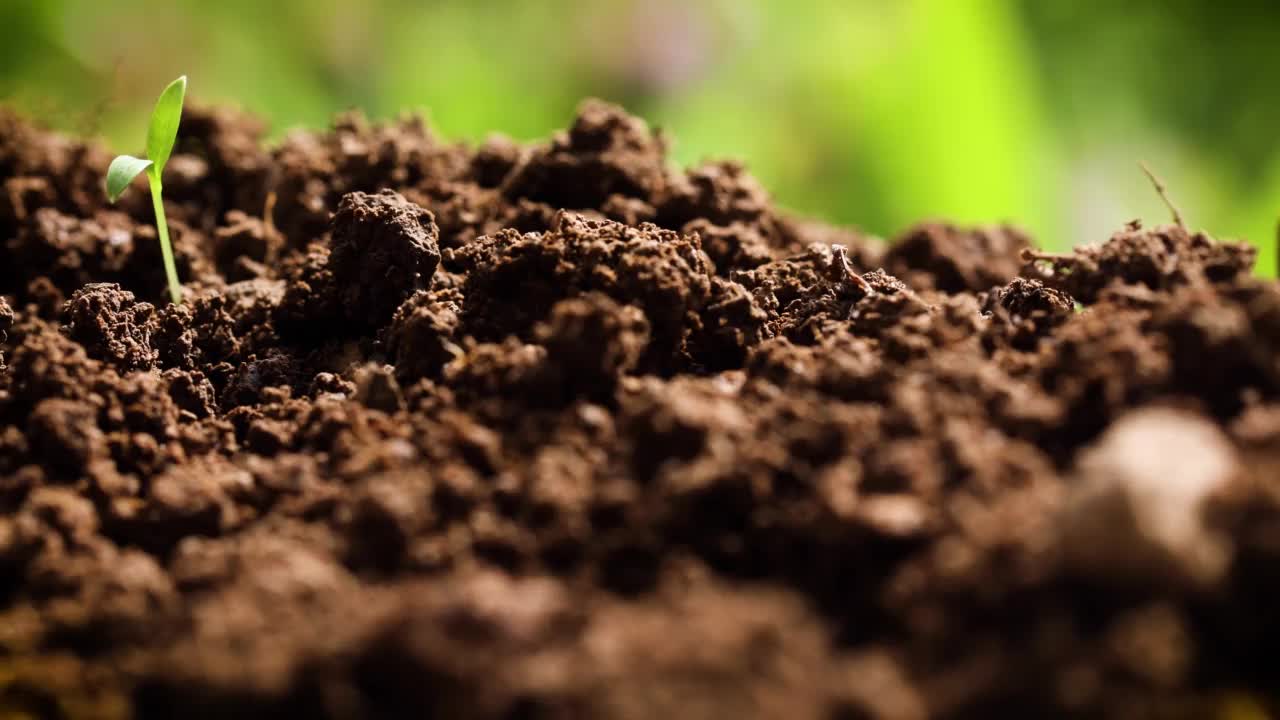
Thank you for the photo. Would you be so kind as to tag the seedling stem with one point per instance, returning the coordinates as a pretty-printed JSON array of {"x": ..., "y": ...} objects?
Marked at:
[
  {"x": 166, "y": 248},
  {"x": 161, "y": 135}
]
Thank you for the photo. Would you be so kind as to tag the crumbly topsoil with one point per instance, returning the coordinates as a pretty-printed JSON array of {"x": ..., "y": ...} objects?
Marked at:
[{"x": 559, "y": 431}]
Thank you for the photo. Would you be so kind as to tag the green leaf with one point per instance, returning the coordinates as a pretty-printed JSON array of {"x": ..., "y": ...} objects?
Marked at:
[
  {"x": 122, "y": 172},
  {"x": 164, "y": 123}
]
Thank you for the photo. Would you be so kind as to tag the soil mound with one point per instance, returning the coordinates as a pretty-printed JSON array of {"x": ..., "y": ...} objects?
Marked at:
[{"x": 561, "y": 431}]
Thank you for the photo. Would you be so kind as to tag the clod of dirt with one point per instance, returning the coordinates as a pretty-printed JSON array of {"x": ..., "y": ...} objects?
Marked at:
[
  {"x": 889, "y": 301},
  {"x": 951, "y": 259},
  {"x": 1025, "y": 311},
  {"x": 226, "y": 326},
  {"x": 513, "y": 280},
  {"x": 1138, "y": 514},
  {"x": 64, "y": 434},
  {"x": 590, "y": 342},
  {"x": 495, "y": 159},
  {"x": 1160, "y": 259},
  {"x": 70, "y": 250},
  {"x": 46, "y": 170},
  {"x": 311, "y": 172},
  {"x": 377, "y": 389},
  {"x": 738, "y": 246},
  {"x": 733, "y": 322},
  {"x": 383, "y": 517},
  {"x": 720, "y": 192},
  {"x": 243, "y": 245},
  {"x": 1221, "y": 341},
  {"x": 191, "y": 392},
  {"x": 250, "y": 382},
  {"x": 606, "y": 153},
  {"x": 111, "y": 325},
  {"x": 618, "y": 660},
  {"x": 383, "y": 249},
  {"x": 422, "y": 334},
  {"x": 220, "y": 164}
]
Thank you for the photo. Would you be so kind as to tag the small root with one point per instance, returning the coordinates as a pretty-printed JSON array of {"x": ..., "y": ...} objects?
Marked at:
[
  {"x": 1164, "y": 195},
  {"x": 839, "y": 272}
]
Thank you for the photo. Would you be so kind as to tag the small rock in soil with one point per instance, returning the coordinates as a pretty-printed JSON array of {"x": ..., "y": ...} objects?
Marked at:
[{"x": 1139, "y": 514}]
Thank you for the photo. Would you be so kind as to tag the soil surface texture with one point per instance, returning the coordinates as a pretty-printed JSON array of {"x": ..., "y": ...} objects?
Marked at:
[{"x": 559, "y": 431}]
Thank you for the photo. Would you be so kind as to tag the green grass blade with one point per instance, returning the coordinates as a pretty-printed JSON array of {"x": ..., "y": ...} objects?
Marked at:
[
  {"x": 122, "y": 172},
  {"x": 164, "y": 123}
]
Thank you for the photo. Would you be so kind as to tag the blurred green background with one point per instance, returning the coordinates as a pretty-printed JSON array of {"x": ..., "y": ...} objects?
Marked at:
[{"x": 874, "y": 113}]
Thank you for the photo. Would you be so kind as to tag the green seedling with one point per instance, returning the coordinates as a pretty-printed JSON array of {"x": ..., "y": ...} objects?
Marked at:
[{"x": 161, "y": 135}]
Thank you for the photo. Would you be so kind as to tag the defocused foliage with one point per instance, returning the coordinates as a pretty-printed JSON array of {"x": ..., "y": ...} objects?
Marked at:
[{"x": 869, "y": 112}]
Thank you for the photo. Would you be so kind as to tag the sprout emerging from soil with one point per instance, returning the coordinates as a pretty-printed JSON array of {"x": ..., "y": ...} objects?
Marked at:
[{"x": 160, "y": 138}]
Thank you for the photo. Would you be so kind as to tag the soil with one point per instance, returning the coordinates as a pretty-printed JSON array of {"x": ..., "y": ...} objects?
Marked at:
[{"x": 559, "y": 431}]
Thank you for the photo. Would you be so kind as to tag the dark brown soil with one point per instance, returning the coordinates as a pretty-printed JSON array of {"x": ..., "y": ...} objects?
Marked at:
[{"x": 559, "y": 431}]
